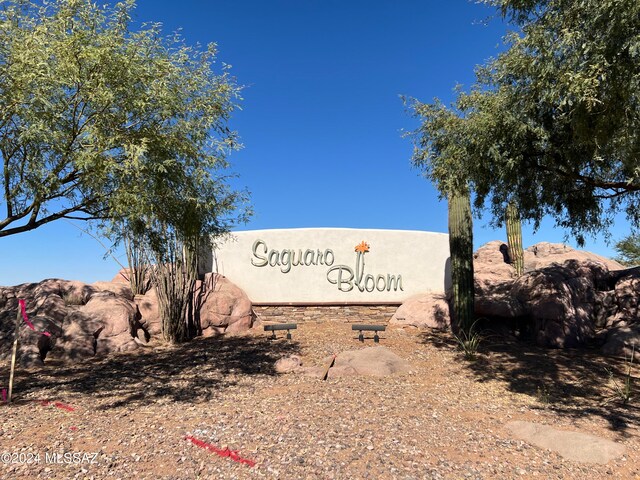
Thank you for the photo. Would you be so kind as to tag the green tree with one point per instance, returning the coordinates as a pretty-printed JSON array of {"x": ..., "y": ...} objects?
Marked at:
[
  {"x": 100, "y": 122},
  {"x": 553, "y": 122},
  {"x": 628, "y": 250}
]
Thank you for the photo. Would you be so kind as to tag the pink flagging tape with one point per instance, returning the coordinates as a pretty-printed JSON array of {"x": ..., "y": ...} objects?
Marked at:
[
  {"x": 23, "y": 308},
  {"x": 232, "y": 454},
  {"x": 4, "y": 395}
]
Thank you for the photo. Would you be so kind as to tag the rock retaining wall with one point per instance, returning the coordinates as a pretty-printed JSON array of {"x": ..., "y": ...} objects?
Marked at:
[{"x": 325, "y": 313}]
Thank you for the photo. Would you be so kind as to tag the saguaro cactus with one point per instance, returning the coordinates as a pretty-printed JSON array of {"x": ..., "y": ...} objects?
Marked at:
[
  {"x": 461, "y": 248},
  {"x": 514, "y": 237}
]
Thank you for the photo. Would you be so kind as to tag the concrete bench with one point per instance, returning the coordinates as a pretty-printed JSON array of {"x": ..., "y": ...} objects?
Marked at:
[
  {"x": 368, "y": 328},
  {"x": 281, "y": 326}
]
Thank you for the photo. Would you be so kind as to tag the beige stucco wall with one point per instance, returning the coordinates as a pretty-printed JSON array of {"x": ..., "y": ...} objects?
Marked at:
[{"x": 398, "y": 264}]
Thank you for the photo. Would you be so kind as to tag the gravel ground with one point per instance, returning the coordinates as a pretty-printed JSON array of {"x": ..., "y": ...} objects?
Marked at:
[{"x": 445, "y": 419}]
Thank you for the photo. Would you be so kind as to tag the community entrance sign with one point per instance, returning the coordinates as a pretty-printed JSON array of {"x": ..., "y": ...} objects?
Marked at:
[{"x": 333, "y": 265}]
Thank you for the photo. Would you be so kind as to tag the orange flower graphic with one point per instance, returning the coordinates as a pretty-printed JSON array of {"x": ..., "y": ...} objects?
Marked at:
[{"x": 362, "y": 247}]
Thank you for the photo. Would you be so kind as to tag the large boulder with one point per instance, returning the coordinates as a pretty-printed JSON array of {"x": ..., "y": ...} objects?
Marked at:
[
  {"x": 429, "y": 309},
  {"x": 289, "y": 364},
  {"x": 48, "y": 304},
  {"x": 494, "y": 276},
  {"x": 566, "y": 297},
  {"x": 374, "y": 361},
  {"x": 149, "y": 314},
  {"x": 104, "y": 325},
  {"x": 492, "y": 260},
  {"x": 118, "y": 288},
  {"x": 71, "y": 292},
  {"x": 71, "y": 320},
  {"x": 220, "y": 307},
  {"x": 493, "y": 279},
  {"x": 36, "y": 343},
  {"x": 123, "y": 275},
  {"x": 544, "y": 254},
  {"x": 623, "y": 342},
  {"x": 223, "y": 307},
  {"x": 79, "y": 338},
  {"x": 116, "y": 320},
  {"x": 86, "y": 320},
  {"x": 560, "y": 302},
  {"x": 627, "y": 297}
]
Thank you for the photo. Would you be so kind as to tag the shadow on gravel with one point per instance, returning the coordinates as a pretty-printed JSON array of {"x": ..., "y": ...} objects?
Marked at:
[
  {"x": 191, "y": 372},
  {"x": 572, "y": 383},
  {"x": 439, "y": 339}
]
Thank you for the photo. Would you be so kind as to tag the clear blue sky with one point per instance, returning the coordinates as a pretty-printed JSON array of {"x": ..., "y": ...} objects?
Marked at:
[{"x": 321, "y": 119}]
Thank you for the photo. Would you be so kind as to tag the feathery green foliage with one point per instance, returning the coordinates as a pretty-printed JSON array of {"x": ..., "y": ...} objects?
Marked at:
[
  {"x": 553, "y": 123},
  {"x": 98, "y": 121},
  {"x": 628, "y": 250}
]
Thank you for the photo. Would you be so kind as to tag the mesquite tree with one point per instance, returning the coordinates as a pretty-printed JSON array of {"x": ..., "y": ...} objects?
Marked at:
[
  {"x": 119, "y": 125},
  {"x": 553, "y": 122},
  {"x": 97, "y": 118}
]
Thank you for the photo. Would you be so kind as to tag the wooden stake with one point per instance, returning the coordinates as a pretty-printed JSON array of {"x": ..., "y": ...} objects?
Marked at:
[
  {"x": 325, "y": 374},
  {"x": 15, "y": 353}
]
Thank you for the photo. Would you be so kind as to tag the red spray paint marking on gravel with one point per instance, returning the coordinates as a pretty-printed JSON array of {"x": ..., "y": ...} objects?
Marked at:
[
  {"x": 60, "y": 405},
  {"x": 232, "y": 454}
]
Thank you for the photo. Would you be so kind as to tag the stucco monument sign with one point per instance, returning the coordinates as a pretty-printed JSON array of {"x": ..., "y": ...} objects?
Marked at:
[{"x": 333, "y": 265}]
